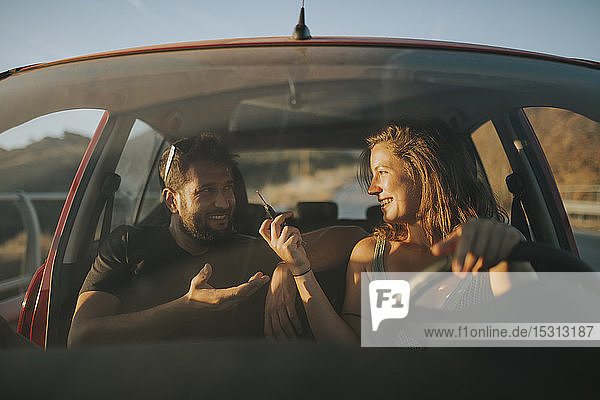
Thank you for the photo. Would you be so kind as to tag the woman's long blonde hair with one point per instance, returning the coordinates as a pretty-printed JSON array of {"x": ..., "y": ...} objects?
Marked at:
[{"x": 452, "y": 188}]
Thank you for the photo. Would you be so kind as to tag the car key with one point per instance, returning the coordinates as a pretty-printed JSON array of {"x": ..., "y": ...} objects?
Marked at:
[{"x": 269, "y": 210}]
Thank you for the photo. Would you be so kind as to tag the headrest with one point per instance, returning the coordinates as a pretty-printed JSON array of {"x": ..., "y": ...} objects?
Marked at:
[
  {"x": 249, "y": 224},
  {"x": 256, "y": 211},
  {"x": 317, "y": 211},
  {"x": 374, "y": 215}
]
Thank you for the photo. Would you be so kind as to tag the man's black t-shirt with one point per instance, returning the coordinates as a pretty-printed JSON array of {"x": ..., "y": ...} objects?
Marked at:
[{"x": 144, "y": 267}]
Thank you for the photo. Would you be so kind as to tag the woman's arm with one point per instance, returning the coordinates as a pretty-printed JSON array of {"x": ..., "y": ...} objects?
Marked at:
[
  {"x": 482, "y": 244},
  {"x": 360, "y": 259},
  {"x": 325, "y": 323}
]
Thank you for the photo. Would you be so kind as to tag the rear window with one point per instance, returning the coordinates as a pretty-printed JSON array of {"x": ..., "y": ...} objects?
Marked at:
[{"x": 287, "y": 177}]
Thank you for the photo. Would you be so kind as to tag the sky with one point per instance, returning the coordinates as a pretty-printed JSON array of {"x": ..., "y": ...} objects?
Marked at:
[{"x": 40, "y": 31}]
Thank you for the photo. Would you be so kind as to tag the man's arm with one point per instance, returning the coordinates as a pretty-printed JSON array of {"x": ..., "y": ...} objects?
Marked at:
[
  {"x": 326, "y": 248},
  {"x": 330, "y": 247},
  {"x": 96, "y": 319},
  {"x": 286, "y": 241}
]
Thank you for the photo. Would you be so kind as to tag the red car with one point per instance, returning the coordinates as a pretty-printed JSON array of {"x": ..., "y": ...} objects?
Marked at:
[{"x": 297, "y": 112}]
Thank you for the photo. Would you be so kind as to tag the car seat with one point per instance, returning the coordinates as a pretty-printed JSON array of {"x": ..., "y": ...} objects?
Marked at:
[
  {"x": 374, "y": 217},
  {"x": 311, "y": 215}
]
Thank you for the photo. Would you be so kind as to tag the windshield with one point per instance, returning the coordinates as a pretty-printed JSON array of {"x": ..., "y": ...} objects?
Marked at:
[{"x": 298, "y": 118}]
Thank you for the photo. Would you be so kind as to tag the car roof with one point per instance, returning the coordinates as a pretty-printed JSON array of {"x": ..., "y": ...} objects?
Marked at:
[
  {"x": 244, "y": 87},
  {"x": 287, "y": 41}
]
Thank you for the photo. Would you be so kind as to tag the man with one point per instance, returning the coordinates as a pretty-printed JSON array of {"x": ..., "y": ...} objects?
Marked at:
[{"x": 184, "y": 280}]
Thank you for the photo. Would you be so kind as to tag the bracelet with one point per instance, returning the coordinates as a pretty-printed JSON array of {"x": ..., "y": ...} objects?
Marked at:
[{"x": 303, "y": 273}]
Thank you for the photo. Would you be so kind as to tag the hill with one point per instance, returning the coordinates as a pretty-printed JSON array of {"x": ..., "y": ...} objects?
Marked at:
[
  {"x": 47, "y": 165},
  {"x": 571, "y": 143},
  {"x": 43, "y": 166}
]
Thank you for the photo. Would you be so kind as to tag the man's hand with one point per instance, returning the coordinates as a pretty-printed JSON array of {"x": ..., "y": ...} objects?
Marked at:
[
  {"x": 281, "y": 319},
  {"x": 204, "y": 296},
  {"x": 478, "y": 244}
]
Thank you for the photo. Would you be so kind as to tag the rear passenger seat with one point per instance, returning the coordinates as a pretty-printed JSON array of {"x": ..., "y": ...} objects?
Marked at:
[
  {"x": 374, "y": 217},
  {"x": 311, "y": 215},
  {"x": 250, "y": 221}
]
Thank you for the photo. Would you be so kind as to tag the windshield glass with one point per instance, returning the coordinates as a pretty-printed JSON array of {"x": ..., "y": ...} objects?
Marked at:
[{"x": 298, "y": 117}]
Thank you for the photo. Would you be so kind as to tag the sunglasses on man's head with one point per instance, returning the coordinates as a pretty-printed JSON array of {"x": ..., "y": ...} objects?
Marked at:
[{"x": 182, "y": 146}]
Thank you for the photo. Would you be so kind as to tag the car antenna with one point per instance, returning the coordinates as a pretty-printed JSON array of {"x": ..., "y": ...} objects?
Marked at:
[{"x": 301, "y": 32}]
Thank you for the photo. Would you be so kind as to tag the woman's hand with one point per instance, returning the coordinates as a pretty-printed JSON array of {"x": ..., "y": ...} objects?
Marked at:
[
  {"x": 478, "y": 244},
  {"x": 286, "y": 241}
]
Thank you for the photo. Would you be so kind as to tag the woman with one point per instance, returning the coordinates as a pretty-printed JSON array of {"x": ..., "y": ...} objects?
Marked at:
[{"x": 431, "y": 196}]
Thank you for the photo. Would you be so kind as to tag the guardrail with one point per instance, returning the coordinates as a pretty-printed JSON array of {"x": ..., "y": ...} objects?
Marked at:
[
  {"x": 582, "y": 203},
  {"x": 568, "y": 192},
  {"x": 33, "y": 258},
  {"x": 584, "y": 208}
]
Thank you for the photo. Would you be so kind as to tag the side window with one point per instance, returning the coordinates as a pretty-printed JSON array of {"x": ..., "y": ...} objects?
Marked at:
[
  {"x": 494, "y": 161},
  {"x": 152, "y": 195},
  {"x": 571, "y": 143},
  {"x": 38, "y": 160},
  {"x": 136, "y": 168}
]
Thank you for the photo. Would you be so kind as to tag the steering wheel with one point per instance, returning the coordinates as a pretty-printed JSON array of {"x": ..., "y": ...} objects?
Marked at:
[
  {"x": 546, "y": 258},
  {"x": 543, "y": 257}
]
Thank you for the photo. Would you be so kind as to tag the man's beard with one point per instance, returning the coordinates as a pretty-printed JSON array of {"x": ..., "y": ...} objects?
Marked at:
[{"x": 195, "y": 226}]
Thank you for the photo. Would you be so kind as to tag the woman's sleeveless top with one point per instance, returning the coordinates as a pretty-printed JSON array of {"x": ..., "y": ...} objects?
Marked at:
[
  {"x": 470, "y": 291},
  {"x": 378, "y": 256}
]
